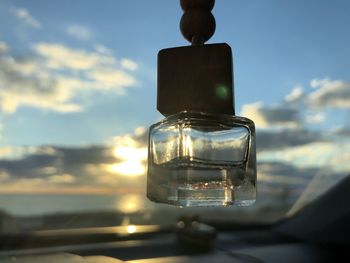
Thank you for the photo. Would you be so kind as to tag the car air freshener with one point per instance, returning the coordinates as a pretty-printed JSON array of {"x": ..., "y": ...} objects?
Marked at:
[{"x": 201, "y": 154}]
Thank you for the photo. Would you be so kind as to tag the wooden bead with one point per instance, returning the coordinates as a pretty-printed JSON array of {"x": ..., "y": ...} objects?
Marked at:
[
  {"x": 197, "y": 23},
  {"x": 197, "y": 4}
]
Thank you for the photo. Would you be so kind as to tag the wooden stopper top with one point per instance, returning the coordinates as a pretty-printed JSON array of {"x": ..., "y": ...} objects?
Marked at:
[{"x": 197, "y": 23}]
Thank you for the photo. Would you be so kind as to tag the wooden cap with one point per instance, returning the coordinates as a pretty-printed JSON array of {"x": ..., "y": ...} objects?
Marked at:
[{"x": 195, "y": 78}]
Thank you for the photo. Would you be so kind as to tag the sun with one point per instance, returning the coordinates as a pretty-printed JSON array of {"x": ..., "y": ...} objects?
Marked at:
[
  {"x": 132, "y": 161},
  {"x": 128, "y": 168},
  {"x": 130, "y": 153}
]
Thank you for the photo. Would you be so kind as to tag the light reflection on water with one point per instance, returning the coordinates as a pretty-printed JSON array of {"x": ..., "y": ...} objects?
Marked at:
[
  {"x": 130, "y": 203},
  {"x": 131, "y": 229}
]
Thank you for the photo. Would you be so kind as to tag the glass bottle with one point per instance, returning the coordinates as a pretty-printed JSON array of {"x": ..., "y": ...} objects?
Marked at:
[
  {"x": 202, "y": 159},
  {"x": 201, "y": 154}
]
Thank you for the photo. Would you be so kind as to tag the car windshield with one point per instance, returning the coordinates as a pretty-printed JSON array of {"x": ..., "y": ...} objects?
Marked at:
[{"x": 78, "y": 92}]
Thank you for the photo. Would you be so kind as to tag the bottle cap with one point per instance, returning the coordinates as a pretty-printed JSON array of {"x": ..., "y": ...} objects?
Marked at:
[{"x": 195, "y": 78}]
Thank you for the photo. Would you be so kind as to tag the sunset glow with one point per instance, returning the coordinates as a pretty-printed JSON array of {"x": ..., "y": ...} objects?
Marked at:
[
  {"x": 132, "y": 163},
  {"x": 130, "y": 153},
  {"x": 128, "y": 168}
]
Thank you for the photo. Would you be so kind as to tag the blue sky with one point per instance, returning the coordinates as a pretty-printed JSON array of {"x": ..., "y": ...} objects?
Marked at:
[
  {"x": 81, "y": 73},
  {"x": 277, "y": 45}
]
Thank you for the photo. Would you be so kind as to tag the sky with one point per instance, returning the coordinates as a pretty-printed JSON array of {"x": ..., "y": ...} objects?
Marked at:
[
  {"x": 79, "y": 46},
  {"x": 78, "y": 79}
]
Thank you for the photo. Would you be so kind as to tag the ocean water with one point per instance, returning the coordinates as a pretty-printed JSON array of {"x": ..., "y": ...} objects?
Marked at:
[
  {"x": 44, "y": 204},
  {"x": 40, "y": 204}
]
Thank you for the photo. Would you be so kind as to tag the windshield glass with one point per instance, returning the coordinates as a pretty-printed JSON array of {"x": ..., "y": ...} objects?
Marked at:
[{"x": 78, "y": 93}]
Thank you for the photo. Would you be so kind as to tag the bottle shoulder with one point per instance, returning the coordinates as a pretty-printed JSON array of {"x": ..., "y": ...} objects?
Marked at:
[{"x": 188, "y": 118}]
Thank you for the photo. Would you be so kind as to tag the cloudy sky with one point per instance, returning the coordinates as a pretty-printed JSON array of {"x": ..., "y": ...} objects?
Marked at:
[{"x": 78, "y": 86}]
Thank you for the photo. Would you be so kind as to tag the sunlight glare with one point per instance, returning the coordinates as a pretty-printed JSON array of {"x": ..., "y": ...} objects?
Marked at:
[
  {"x": 130, "y": 153},
  {"x": 128, "y": 168},
  {"x": 132, "y": 164}
]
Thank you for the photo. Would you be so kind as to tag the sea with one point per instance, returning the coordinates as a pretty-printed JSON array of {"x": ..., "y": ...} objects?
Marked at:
[{"x": 43, "y": 204}]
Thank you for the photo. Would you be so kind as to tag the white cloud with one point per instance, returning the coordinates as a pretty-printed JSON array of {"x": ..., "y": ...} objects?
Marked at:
[
  {"x": 295, "y": 95},
  {"x": 128, "y": 64},
  {"x": 331, "y": 155},
  {"x": 45, "y": 168},
  {"x": 342, "y": 131},
  {"x": 61, "y": 179},
  {"x": 299, "y": 107},
  {"x": 330, "y": 93},
  {"x": 103, "y": 49},
  {"x": 79, "y": 32},
  {"x": 316, "y": 83},
  {"x": 271, "y": 117},
  {"x": 56, "y": 75},
  {"x": 315, "y": 118},
  {"x": 58, "y": 56},
  {"x": 272, "y": 139},
  {"x": 140, "y": 131},
  {"x": 11, "y": 152},
  {"x": 38, "y": 89},
  {"x": 108, "y": 78},
  {"x": 4, "y": 176},
  {"x": 24, "y": 15},
  {"x": 252, "y": 111},
  {"x": 3, "y": 47},
  {"x": 1, "y": 129}
]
